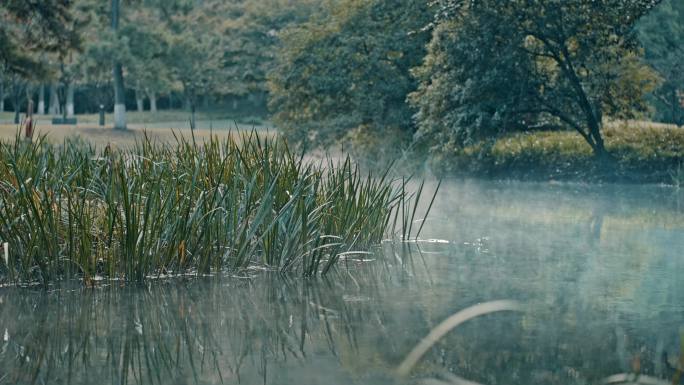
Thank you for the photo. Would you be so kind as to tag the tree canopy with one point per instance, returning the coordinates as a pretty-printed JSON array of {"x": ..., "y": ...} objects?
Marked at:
[
  {"x": 370, "y": 73},
  {"x": 29, "y": 29},
  {"x": 189, "y": 49},
  {"x": 348, "y": 73},
  {"x": 495, "y": 66},
  {"x": 662, "y": 36}
]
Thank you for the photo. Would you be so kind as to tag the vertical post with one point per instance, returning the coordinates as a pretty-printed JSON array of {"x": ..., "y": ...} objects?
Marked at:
[
  {"x": 102, "y": 115},
  {"x": 16, "y": 97},
  {"x": 28, "y": 124}
]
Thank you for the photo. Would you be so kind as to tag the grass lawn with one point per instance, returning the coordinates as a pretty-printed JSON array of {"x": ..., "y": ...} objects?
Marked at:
[
  {"x": 136, "y": 118},
  {"x": 643, "y": 152},
  {"x": 160, "y": 126}
]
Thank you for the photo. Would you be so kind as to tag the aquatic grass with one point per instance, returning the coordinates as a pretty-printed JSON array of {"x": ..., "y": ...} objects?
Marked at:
[
  {"x": 168, "y": 333},
  {"x": 450, "y": 323},
  {"x": 156, "y": 209}
]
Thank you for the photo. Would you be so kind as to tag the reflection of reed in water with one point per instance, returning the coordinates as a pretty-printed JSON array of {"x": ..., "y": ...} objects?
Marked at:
[
  {"x": 204, "y": 332},
  {"x": 277, "y": 331}
]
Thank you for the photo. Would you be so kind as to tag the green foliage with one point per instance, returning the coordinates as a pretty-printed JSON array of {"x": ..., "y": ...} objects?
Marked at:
[
  {"x": 147, "y": 46},
  {"x": 29, "y": 28},
  {"x": 662, "y": 35},
  {"x": 192, "y": 56},
  {"x": 159, "y": 209},
  {"x": 349, "y": 72},
  {"x": 250, "y": 40},
  {"x": 471, "y": 88},
  {"x": 642, "y": 153},
  {"x": 200, "y": 49},
  {"x": 496, "y": 66}
]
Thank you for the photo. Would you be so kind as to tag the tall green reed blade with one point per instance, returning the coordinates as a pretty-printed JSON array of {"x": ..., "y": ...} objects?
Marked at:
[
  {"x": 427, "y": 212},
  {"x": 70, "y": 211}
]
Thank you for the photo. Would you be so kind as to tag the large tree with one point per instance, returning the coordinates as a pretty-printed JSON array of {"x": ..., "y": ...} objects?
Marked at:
[
  {"x": 28, "y": 28},
  {"x": 192, "y": 56},
  {"x": 662, "y": 35},
  {"x": 250, "y": 42},
  {"x": 18, "y": 91},
  {"x": 348, "y": 73},
  {"x": 30, "y": 31},
  {"x": 494, "y": 65},
  {"x": 147, "y": 38}
]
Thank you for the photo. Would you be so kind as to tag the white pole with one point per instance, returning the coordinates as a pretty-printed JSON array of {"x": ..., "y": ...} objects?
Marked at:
[{"x": 6, "y": 247}]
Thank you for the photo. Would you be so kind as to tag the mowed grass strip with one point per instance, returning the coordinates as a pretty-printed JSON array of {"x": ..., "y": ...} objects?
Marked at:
[{"x": 641, "y": 153}]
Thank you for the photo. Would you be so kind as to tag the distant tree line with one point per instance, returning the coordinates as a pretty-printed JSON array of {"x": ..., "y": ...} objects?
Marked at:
[
  {"x": 369, "y": 73},
  {"x": 74, "y": 55},
  {"x": 662, "y": 36},
  {"x": 454, "y": 72}
]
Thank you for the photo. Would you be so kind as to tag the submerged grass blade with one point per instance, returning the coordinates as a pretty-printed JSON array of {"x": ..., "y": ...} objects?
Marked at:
[{"x": 450, "y": 323}]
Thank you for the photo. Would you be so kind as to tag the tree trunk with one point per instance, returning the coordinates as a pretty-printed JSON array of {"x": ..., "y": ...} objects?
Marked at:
[
  {"x": 2, "y": 96},
  {"x": 17, "y": 103},
  {"x": 192, "y": 116},
  {"x": 595, "y": 139},
  {"x": 30, "y": 108},
  {"x": 117, "y": 71},
  {"x": 61, "y": 96},
  {"x": 54, "y": 100},
  {"x": 41, "y": 99},
  {"x": 70, "y": 101},
  {"x": 593, "y": 115},
  {"x": 153, "y": 101},
  {"x": 190, "y": 101},
  {"x": 119, "y": 98},
  {"x": 18, "y": 88},
  {"x": 139, "y": 101},
  {"x": 675, "y": 105}
]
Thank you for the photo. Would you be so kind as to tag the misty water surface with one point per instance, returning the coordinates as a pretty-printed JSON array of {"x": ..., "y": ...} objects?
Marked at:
[{"x": 599, "y": 271}]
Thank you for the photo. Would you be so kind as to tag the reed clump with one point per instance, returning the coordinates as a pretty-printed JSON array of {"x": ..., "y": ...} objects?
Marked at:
[{"x": 153, "y": 209}]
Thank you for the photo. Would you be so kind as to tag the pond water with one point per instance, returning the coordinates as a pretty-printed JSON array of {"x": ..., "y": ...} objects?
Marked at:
[{"x": 599, "y": 271}]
